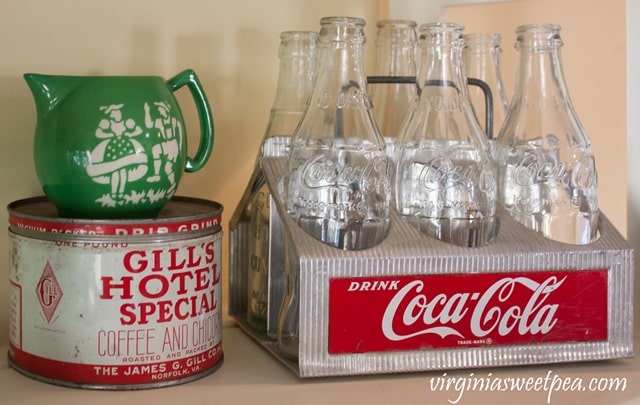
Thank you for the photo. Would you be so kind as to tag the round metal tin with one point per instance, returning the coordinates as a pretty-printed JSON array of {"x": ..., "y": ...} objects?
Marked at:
[{"x": 126, "y": 304}]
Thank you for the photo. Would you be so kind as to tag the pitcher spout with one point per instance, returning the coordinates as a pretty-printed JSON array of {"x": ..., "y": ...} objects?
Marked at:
[{"x": 49, "y": 90}]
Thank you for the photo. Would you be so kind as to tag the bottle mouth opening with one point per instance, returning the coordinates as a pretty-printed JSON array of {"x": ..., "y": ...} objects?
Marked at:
[
  {"x": 400, "y": 32},
  {"x": 441, "y": 34},
  {"x": 402, "y": 24},
  {"x": 295, "y": 44},
  {"x": 538, "y": 28},
  {"x": 349, "y": 21},
  {"x": 338, "y": 29},
  {"x": 311, "y": 35},
  {"x": 481, "y": 38},
  {"x": 482, "y": 42},
  {"x": 540, "y": 37},
  {"x": 441, "y": 27}
]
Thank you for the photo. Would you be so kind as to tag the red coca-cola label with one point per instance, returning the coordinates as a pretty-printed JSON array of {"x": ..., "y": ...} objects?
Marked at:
[{"x": 373, "y": 314}]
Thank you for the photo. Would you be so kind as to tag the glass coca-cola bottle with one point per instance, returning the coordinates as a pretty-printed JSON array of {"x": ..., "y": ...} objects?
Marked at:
[
  {"x": 395, "y": 61},
  {"x": 337, "y": 181},
  {"x": 250, "y": 225},
  {"x": 445, "y": 179},
  {"x": 481, "y": 60},
  {"x": 547, "y": 177},
  {"x": 337, "y": 184}
]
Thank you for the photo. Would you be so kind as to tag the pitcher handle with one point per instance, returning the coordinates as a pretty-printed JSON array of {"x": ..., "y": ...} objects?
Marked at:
[{"x": 189, "y": 78}]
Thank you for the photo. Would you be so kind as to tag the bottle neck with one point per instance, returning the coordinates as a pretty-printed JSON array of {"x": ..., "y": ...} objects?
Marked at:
[
  {"x": 341, "y": 74},
  {"x": 481, "y": 56},
  {"x": 444, "y": 105},
  {"x": 540, "y": 79},
  {"x": 395, "y": 48},
  {"x": 441, "y": 63},
  {"x": 297, "y": 70},
  {"x": 295, "y": 80},
  {"x": 298, "y": 61},
  {"x": 481, "y": 60}
]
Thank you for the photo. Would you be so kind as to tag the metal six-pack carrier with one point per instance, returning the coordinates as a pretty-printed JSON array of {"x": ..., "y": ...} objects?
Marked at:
[{"x": 414, "y": 303}]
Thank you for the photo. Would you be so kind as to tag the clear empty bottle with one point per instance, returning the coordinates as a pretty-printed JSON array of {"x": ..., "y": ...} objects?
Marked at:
[
  {"x": 337, "y": 185},
  {"x": 250, "y": 225},
  {"x": 289, "y": 318},
  {"x": 395, "y": 58},
  {"x": 481, "y": 60},
  {"x": 547, "y": 176},
  {"x": 445, "y": 180}
]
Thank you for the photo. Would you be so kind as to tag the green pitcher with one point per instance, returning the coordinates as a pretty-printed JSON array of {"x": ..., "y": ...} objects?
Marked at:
[{"x": 113, "y": 147}]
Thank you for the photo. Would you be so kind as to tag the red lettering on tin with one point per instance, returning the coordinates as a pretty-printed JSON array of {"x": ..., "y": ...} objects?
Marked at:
[
  {"x": 153, "y": 286},
  {"x": 108, "y": 284},
  {"x": 130, "y": 342},
  {"x": 151, "y": 230},
  {"x": 216, "y": 274},
  {"x": 48, "y": 292},
  {"x": 175, "y": 264},
  {"x": 194, "y": 259},
  {"x": 133, "y": 265},
  {"x": 145, "y": 310},
  {"x": 182, "y": 279},
  {"x": 163, "y": 311},
  {"x": 202, "y": 279},
  {"x": 209, "y": 252},
  {"x": 136, "y": 261},
  {"x": 128, "y": 314},
  {"x": 187, "y": 274},
  {"x": 157, "y": 266}
]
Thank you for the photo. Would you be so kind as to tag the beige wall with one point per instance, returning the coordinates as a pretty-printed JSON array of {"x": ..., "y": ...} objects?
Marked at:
[{"x": 594, "y": 60}]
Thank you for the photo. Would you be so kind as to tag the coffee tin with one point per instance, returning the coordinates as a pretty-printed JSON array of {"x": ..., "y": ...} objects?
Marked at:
[{"x": 126, "y": 304}]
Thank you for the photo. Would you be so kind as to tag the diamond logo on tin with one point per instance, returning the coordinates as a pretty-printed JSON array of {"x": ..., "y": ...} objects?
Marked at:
[{"x": 48, "y": 292}]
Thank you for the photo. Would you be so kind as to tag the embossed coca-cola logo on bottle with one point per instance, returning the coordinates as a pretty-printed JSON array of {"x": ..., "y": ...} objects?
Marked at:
[
  {"x": 442, "y": 173},
  {"x": 320, "y": 172},
  {"x": 534, "y": 169}
]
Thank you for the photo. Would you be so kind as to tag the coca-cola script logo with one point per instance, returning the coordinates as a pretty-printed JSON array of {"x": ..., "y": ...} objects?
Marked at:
[
  {"x": 534, "y": 168},
  {"x": 48, "y": 292},
  {"x": 419, "y": 311},
  {"x": 321, "y": 172},
  {"x": 438, "y": 311},
  {"x": 442, "y": 173}
]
